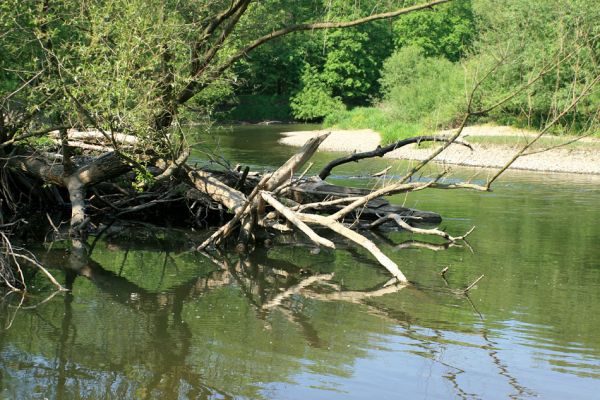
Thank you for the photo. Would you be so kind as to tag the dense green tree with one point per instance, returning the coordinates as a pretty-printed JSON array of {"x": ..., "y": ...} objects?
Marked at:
[
  {"x": 445, "y": 32},
  {"x": 347, "y": 62},
  {"x": 428, "y": 90},
  {"x": 315, "y": 100}
]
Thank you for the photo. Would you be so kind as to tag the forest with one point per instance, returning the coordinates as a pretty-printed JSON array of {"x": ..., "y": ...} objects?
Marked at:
[{"x": 409, "y": 75}]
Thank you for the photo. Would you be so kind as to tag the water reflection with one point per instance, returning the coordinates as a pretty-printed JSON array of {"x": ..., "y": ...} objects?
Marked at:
[
  {"x": 228, "y": 326},
  {"x": 148, "y": 319},
  {"x": 143, "y": 344}
]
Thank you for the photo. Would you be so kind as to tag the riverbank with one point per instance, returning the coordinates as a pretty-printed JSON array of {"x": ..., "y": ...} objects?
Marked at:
[{"x": 492, "y": 146}]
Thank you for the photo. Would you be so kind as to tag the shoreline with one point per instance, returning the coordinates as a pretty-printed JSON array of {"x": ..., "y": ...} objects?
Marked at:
[{"x": 579, "y": 160}]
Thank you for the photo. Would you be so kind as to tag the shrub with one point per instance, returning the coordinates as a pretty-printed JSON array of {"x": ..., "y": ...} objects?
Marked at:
[
  {"x": 417, "y": 89},
  {"x": 314, "y": 101}
]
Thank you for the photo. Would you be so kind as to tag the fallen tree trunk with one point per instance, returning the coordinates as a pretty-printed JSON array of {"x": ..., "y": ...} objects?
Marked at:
[
  {"x": 253, "y": 204},
  {"x": 74, "y": 178}
]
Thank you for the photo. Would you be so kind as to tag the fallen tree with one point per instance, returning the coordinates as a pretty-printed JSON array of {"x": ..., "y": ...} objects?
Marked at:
[
  {"x": 95, "y": 188},
  {"x": 92, "y": 125}
]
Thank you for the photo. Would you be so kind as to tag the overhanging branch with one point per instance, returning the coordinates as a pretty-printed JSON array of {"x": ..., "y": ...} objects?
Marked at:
[
  {"x": 193, "y": 87},
  {"x": 381, "y": 151}
]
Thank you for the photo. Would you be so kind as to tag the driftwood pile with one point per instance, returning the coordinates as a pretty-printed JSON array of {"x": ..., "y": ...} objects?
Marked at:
[{"x": 92, "y": 173}]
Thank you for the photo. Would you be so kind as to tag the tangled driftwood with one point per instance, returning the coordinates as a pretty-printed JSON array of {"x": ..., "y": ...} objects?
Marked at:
[{"x": 100, "y": 186}]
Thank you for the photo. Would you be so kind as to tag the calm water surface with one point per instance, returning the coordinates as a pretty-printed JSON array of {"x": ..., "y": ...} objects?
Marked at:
[{"x": 148, "y": 319}]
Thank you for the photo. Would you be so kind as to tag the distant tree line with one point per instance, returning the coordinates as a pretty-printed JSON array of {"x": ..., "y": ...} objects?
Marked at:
[{"x": 416, "y": 67}]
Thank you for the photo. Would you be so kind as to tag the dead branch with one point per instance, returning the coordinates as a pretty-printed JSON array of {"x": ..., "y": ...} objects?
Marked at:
[
  {"x": 381, "y": 151},
  {"x": 472, "y": 284},
  {"x": 293, "y": 218},
  {"x": 286, "y": 171},
  {"x": 9, "y": 259},
  {"x": 401, "y": 223},
  {"x": 568, "y": 142},
  {"x": 394, "y": 188},
  {"x": 383, "y": 172},
  {"x": 173, "y": 166},
  {"x": 226, "y": 229},
  {"x": 323, "y": 204},
  {"x": 85, "y": 146},
  {"x": 34, "y": 262}
]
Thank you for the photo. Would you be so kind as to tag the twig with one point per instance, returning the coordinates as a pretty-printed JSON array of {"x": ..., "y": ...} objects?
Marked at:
[
  {"x": 436, "y": 232},
  {"x": 566, "y": 110},
  {"x": 44, "y": 271},
  {"x": 465, "y": 291},
  {"x": 382, "y": 172}
]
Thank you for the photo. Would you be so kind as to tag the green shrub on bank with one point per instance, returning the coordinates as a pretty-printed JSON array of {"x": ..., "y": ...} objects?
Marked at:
[
  {"x": 390, "y": 129},
  {"x": 417, "y": 89},
  {"x": 420, "y": 95},
  {"x": 315, "y": 100}
]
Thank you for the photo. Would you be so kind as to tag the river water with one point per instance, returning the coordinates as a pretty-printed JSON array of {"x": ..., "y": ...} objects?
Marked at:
[{"x": 146, "y": 318}]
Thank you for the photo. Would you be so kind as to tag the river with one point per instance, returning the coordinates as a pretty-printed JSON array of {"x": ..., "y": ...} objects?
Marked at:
[{"x": 146, "y": 318}]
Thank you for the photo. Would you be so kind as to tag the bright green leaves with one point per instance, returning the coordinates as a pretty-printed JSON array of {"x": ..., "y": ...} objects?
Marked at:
[
  {"x": 429, "y": 91},
  {"x": 315, "y": 100},
  {"x": 447, "y": 31}
]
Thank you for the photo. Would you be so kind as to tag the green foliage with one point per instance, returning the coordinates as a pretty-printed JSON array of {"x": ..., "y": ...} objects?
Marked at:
[
  {"x": 276, "y": 68},
  {"x": 256, "y": 108},
  {"x": 121, "y": 64},
  {"x": 529, "y": 37},
  {"x": 347, "y": 61},
  {"x": 354, "y": 58},
  {"x": 447, "y": 31},
  {"x": 315, "y": 100},
  {"x": 143, "y": 179},
  {"x": 417, "y": 89}
]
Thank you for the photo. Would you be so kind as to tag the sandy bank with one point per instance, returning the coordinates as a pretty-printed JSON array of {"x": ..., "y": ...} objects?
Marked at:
[{"x": 581, "y": 159}]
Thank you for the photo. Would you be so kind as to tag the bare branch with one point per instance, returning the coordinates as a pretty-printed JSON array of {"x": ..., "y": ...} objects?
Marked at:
[
  {"x": 400, "y": 222},
  {"x": 381, "y": 151},
  {"x": 293, "y": 218},
  {"x": 584, "y": 92}
]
